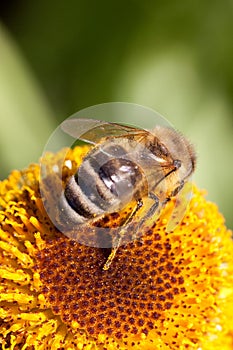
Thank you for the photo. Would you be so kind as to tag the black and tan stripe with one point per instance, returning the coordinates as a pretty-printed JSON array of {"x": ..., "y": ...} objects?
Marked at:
[{"x": 95, "y": 188}]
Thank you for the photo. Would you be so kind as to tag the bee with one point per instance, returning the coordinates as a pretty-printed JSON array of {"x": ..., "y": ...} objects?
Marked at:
[{"x": 126, "y": 164}]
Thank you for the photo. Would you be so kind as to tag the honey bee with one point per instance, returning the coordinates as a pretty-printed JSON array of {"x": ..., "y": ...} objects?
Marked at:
[{"x": 126, "y": 164}]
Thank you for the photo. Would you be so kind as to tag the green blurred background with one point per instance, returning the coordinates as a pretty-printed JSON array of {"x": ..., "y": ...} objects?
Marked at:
[{"x": 176, "y": 57}]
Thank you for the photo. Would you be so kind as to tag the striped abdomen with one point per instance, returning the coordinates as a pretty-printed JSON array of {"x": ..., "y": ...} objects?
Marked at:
[{"x": 102, "y": 184}]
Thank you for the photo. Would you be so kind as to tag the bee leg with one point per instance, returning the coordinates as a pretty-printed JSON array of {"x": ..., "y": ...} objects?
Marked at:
[
  {"x": 154, "y": 207},
  {"x": 174, "y": 192},
  {"x": 111, "y": 257},
  {"x": 149, "y": 213},
  {"x": 117, "y": 241},
  {"x": 177, "y": 189}
]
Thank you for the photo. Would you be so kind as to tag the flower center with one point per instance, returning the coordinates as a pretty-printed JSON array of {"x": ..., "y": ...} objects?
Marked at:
[{"x": 129, "y": 298}]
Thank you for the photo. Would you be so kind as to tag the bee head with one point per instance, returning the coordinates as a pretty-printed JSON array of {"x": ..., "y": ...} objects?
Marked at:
[{"x": 177, "y": 150}]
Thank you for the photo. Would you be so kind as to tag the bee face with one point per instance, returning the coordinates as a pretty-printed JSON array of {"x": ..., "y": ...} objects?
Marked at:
[
  {"x": 125, "y": 165},
  {"x": 176, "y": 149}
]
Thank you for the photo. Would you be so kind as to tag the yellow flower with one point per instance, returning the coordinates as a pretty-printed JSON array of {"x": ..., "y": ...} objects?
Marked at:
[{"x": 168, "y": 291}]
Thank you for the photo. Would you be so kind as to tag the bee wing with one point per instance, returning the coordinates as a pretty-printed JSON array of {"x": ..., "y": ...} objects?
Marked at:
[{"x": 92, "y": 131}]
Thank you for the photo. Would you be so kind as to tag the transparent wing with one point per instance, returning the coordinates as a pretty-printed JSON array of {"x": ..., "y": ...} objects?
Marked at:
[{"x": 92, "y": 131}]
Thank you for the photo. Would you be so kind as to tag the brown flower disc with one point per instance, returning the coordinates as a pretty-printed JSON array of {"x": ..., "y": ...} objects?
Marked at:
[{"x": 129, "y": 298}]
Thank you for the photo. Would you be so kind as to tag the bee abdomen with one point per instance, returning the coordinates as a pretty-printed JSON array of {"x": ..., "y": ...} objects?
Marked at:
[
  {"x": 67, "y": 215},
  {"x": 93, "y": 186},
  {"x": 79, "y": 201}
]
